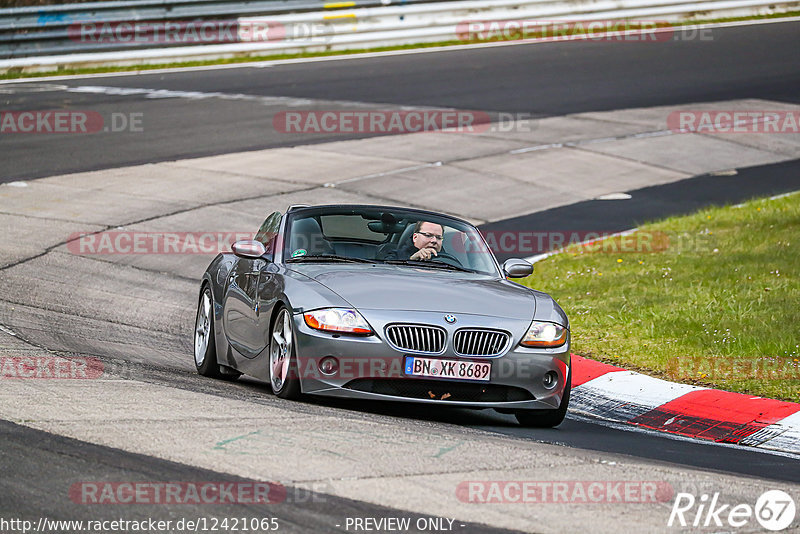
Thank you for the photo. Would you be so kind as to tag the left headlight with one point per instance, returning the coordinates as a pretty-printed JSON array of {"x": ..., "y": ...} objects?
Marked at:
[
  {"x": 542, "y": 334},
  {"x": 337, "y": 320}
]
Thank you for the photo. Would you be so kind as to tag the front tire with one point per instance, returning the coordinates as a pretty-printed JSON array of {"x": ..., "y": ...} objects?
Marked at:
[
  {"x": 205, "y": 351},
  {"x": 282, "y": 358},
  {"x": 546, "y": 418}
]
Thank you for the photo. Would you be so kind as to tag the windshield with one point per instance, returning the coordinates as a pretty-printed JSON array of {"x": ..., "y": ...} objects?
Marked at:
[{"x": 396, "y": 237}]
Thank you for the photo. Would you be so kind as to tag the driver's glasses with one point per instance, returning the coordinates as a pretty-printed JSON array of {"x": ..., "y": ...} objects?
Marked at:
[{"x": 431, "y": 236}]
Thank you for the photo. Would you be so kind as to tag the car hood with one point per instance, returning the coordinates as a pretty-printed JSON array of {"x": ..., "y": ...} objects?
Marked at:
[{"x": 407, "y": 288}]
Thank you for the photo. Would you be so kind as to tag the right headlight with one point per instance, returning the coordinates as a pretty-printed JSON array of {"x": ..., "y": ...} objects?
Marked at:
[
  {"x": 542, "y": 334},
  {"x": 337, "y": 320}
]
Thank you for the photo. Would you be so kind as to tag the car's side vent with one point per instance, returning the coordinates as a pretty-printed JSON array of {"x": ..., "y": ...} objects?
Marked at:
[
  {"x": 416, "y": 337},
  {"x": 480, "y": 342}
]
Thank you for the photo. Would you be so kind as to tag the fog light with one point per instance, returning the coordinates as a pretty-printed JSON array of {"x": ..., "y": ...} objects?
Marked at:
[
  {"x": 550, "y": 379},
  {"x": 329, "y": 365}
]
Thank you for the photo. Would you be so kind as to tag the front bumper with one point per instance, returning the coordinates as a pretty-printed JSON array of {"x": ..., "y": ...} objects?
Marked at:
[{"x": 370, "y": 368}]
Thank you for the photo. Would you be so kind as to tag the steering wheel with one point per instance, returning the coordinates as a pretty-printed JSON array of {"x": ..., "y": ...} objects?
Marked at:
[{"x": 447, "y": 258}]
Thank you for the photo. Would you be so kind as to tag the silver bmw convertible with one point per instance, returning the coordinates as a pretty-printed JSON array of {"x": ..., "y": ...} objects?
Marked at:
[{"x": 383, "y": 303}]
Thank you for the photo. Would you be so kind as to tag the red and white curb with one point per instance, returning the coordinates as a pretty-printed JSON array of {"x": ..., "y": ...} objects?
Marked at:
[{"x": 615, "y": 394}]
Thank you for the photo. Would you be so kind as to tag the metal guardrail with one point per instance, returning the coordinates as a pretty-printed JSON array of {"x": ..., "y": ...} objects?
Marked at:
[
  {"x": 49, "y": 37},
  {"x": 42, "y": 30},
  {"x": 36, "y": 17}
]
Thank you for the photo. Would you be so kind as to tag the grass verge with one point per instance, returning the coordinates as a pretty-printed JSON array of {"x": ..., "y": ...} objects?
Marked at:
[
  {"x": 711, "y": 298},
  {"x": 13, "y": 75}
]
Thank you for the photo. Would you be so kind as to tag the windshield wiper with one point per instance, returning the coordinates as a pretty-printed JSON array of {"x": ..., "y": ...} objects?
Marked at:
[
  {"x": 431, "y": 264},
  {"x": 328, "y": 257}
]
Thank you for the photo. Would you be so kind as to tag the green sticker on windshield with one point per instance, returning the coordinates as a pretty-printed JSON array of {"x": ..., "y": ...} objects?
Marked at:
[{"x": 299, "y": 252}]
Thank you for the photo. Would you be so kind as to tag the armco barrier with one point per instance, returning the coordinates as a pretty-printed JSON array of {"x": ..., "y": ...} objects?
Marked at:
[
  {"x": 41, "y": 30},
  {"x": 138, "y": 32}
]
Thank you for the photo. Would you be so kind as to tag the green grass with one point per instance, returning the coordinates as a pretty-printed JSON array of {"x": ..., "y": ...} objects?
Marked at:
[
  {"x": 712, "y": 298},
  {"x": 246, "y": 58}
]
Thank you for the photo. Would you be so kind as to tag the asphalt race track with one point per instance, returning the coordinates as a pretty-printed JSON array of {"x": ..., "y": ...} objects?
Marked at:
[
  {"x": 539, "y": 80},
  {"x": 208, "y": 154}
]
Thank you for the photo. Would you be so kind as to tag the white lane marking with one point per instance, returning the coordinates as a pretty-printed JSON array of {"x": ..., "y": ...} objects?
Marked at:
[
  {"x": 369, "y": 55},
  {"x": 191, "y": 95},
  {"x": 614, "y": 196},
  {"x": 657, "y": 133},
  {"x": 281, "y": 101},
  {"x": 539, "y": 147},
  {"x": 782, "y": 195},
  {"x": 7, "y": 331},
  {"x": 33, "y": 88},
  {"x": 158, "y": 93},
  {"x": 16, "y": 184}
]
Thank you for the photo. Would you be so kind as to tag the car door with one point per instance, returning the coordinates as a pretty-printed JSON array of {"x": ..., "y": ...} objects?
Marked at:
[
  {"x": 242, "y": 304},
  {"x": 239, "y": 307},
  {"x": 270, "y": 287}
]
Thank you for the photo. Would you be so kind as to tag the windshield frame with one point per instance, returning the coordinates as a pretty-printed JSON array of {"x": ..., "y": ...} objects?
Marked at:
[{"x": 401, "y": 213}]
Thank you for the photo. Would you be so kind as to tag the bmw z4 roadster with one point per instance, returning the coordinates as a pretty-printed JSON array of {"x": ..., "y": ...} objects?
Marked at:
[{"x": 383, "y": 303}]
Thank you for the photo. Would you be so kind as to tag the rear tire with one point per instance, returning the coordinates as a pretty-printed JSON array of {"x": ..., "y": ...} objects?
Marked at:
[
  {"x": 283, "y": 376},
  {"x": 546, "y": 418},
  {"x": 205, "y": 350}
]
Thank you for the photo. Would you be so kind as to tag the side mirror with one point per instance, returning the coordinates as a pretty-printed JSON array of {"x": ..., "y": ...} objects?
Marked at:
[
  {"x": 516, "y": 268},
  {"x": 248, "y": 249}
]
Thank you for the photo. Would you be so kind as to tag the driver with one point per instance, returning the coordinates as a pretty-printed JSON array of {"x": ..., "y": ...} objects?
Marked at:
[{"x": 426, "y": 243}]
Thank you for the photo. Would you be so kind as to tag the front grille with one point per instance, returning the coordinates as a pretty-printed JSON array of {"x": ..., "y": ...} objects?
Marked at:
[
  {"x": 480, "y": 342},
  {"x": 410, "y": 388},
  {"x": 416, "y": 337}
]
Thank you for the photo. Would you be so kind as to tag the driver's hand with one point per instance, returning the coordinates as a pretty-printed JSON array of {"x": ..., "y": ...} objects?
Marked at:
[{"x": 424, "y": 254}]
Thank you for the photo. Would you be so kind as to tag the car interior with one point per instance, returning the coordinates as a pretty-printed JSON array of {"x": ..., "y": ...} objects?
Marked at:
[{"x": 355, "y": 236}]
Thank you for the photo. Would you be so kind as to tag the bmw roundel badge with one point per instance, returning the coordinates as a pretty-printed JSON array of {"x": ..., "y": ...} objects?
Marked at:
[{"x": 450, "y": 318}]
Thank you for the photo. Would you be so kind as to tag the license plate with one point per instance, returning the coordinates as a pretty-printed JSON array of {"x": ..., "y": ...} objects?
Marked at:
[{"x": 460, "y": 370}]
